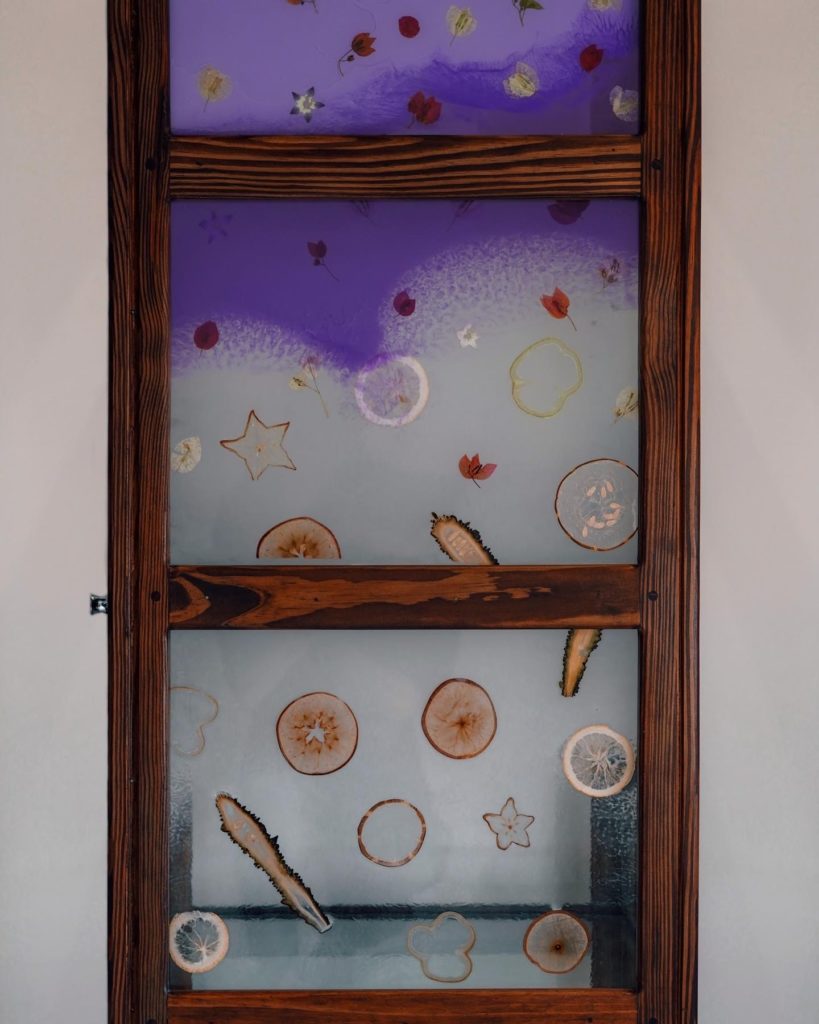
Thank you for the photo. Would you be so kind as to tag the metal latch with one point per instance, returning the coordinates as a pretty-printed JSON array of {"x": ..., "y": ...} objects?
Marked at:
[{"x": 99, "y": 604}]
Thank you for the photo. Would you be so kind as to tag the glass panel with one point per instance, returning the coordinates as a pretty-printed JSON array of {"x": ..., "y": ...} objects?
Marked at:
[
  {"x": 363, "y": 380},
  {"x": 448, "y": 809},
  {"x": 486, "y": 67}
]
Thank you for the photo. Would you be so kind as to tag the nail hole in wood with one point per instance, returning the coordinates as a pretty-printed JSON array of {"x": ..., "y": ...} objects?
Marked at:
[
  {"x": 652, "y": 596},
  {"x": 155, "y": 595},
  {"x": 656, "y": 165}
]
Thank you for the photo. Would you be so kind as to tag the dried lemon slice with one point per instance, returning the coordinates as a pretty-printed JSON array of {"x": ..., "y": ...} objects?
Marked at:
[
  {"x": 198, "y": 941},
  {"x": 598, "y": 761},
  {"x": 556, "y": 942},
  {"x": 541, "y": 386},
  {"x": 392, "y": 393}
]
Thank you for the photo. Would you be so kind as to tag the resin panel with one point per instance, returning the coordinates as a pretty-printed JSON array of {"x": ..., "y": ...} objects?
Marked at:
[
  {"x": 403, "y": 809},
  {"x": 492, "y": 67},
  {"x": 405, "y": 381}
]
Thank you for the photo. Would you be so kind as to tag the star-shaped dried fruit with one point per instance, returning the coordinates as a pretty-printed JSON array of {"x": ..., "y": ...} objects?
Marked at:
[
  {"x": 261, "y": 446},
  {"x": 509, "y": 826}
]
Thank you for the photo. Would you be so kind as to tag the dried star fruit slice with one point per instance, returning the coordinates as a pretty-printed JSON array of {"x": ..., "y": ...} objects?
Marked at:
[
  {"x": 544, "y": 376},
  {"x": 391, "y": 833},
  {"x": 301, "y": 537},
  {"x": 579, "y": 646},
  {"x": 197, "y": 941},
  {"x": 556, "y": 942},
  {"x": 317, "y": 734},
  {"x": 598, "y": 761},
  {"x": 460, "y": 542},
  {"x": 392, "y": 393},
  {"x": 596, "y": 504},
  {"x": 459, "y": 719}
]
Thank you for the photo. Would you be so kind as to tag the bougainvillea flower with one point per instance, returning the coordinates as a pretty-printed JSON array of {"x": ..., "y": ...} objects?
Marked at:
[
  {"x": 568, "y": 211},
  {"x": 424, "y": 109},
  {"x": 306, "y": 103},
  {"x": 403, "y": 304},
  {"x": 318, "y": 250},
  {"x": 408, "y": 26},
  {"x": 206, "y": 335},
  {"x": 472, "y": 469},
  {"x": 557, "y": 305},
  {"x": 590, "y": 57},
  {"x": 362, "y": 44}
]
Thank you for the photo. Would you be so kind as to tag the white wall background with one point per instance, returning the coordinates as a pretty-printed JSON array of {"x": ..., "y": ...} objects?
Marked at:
[{"x": 760, "y": 638}]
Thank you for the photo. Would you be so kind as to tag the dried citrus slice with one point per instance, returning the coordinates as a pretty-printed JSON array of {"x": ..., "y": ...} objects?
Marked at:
[
  {"x": 392, "y": 393},
  {"x": 391, "y": 833},
  {"x": 317, "y": 734},
  {"x": 596, "y": 504},
  {"x": 556, "y": 942},
  {"x": 544, "y": 376},
  {"x": 198, "y": 941},
  {"x": 459, "y": 719},
  {"x": 301, "y": 537},
  {"x": 598, "y": 761},
  {"x": 460, "y": 542}
]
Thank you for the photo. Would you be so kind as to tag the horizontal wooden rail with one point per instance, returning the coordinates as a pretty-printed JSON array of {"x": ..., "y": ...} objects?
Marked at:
[
  {"x": 380, "y": 597},
  {"x": 512, "y": 1006},
  {"x": 262, "y": 167}
]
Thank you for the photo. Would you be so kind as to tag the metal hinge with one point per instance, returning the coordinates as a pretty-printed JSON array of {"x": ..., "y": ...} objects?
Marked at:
[{"x": 99, "y": 604}]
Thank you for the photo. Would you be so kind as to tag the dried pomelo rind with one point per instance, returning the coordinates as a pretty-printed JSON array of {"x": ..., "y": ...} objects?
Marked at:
[
  {"x": 580, "y": 643},
  {"x": 459, "y": 719},
  {"x": 556, "y": 942},
  {"x": 598, "y": 762},
  {"x": 460, "y": 542},
  {"x": 519, "y": 383},
  {"x": 183, "y": 698},
  {"x": 317, "y": 733},
  {"x": 596, "y": 504},
  {"x": 412, "y": 813},
  {"x": 392, "y": 393},
  {"x": 197, "y": 941},
  {"x": 300, "y": 537}
]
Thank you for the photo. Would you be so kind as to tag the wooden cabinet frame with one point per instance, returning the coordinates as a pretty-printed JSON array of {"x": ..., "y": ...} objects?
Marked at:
[{"x": 147, "y": 596}]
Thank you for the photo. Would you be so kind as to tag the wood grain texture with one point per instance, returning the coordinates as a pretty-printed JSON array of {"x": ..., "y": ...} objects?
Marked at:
[
  {"x": 515, "y": 1006},
  {"x": 400, "y": 166},
  {"x": 122, "y": 299},
  {"x": 669, "y": 414},
  {"x": 403, "y": 597}
]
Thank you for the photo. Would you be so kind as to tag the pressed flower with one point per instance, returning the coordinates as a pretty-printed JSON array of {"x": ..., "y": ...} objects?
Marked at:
[
  {"x": 309, "y": 379},
  {"x": 468, "y": 337},
  {"x": 408, "y": 26},
  {"x": 473, "y": 469},
  {"x": 625, "y": 104},
  {"x": 318, "y": 250},
  {"x": 424, "y": 109},
  {"x": 605, "y": 5},
  {"x": 206, "y": 335},
  {"x": 213, "y": 85},
  {"x": 522, "y": 6},
  {"x": 306, "y": 104},
  {"x": 523, "y": 82},
  {"x": 461, "y": 22},
  {"x": 361, "y": 46},
  {"x": 403, "y": 304},
  {"x": 557, "y": 305},
  {"x": 568, "y": 211},
  {"x": 591, "y": 57}
]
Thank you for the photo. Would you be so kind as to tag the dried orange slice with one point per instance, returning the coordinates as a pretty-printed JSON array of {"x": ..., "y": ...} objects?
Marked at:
[
  {"x": 598, "y": 761},
  {"x": 198, "y": 941},
  {"x": 301, "y": 537},
  {"x": 392, "y": 393},
  {"x": 317, "y": 734},
  {"x": 459, "y": 719},
  {"x": 556, "y": 942}
]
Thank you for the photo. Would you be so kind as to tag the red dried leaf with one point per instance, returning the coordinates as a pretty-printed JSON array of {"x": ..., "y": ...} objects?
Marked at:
[
  {"x": 206, "y": 335},
  {"x": 408, "y": 26},
  {"x": 590, "y": 57},
  {"x": 403, "y": 304},
  {"x": 318, "y": 250},
  {"x": 425, "y": 109},
  {"x": 362, "y": 44}
]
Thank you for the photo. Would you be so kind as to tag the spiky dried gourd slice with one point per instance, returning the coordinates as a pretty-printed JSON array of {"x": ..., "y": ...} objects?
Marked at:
[
  {"x": 598, "y": 761},
  {"x": 301, "y": 537},
  {"x": 556, "y": 942},
  {"x": 197, "y": 941},
  {"x": 459, "y": 542},
  {"x": 459, "y": 719},
  {"x": 317, "y": 733},
  {"x": 579, "y": 646}
]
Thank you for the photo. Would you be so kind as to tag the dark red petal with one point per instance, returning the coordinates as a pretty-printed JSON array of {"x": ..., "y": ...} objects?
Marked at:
[
  {"x": 416, "y": 104},
  {"x": 408, "y": 26},
  {"x": 590, "y": 57},
  {"x": 463, "y": 465},
  {"x": 568, "y": 211},
  {"x": 486, "y": 471},
  {"x": 206, "y": 335},
  {"x": 318, "y": 250}
]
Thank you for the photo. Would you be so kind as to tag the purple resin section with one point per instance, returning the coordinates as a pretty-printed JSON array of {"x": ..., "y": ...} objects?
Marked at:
[{"x": 571, "y": 67}]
